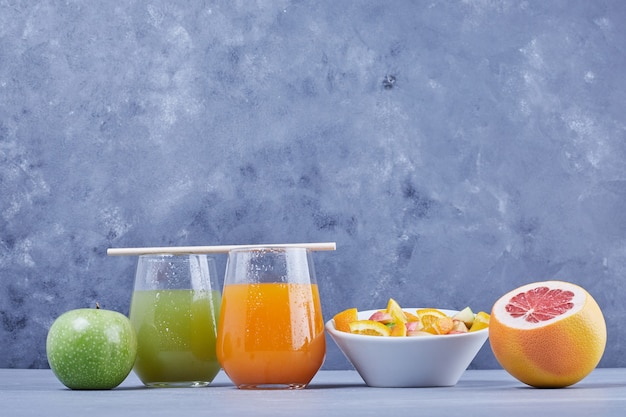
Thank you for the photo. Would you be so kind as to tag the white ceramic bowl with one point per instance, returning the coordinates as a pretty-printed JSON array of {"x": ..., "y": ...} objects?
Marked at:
[{"x": 412, "y": 361}]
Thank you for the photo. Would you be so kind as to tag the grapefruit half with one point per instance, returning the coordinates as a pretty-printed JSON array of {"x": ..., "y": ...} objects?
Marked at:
[{"x": 547, "y": 334}]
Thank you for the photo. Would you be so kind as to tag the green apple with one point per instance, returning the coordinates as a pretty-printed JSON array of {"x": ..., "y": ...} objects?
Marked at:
[
  {"x": 466, "y": 316},
  {"x": 91, "y": 348}
]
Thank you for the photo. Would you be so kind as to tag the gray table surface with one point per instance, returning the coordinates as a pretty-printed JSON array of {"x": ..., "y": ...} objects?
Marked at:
[{"x": 28, "y": 392}]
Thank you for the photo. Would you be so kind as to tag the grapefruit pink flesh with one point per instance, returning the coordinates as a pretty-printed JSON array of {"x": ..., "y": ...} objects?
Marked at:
[{"x": 540, "y": 304}]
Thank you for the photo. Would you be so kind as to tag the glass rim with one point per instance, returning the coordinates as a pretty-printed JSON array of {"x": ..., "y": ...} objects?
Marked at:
[
  {"x": 268, "y": 248},
  {"x": 173, "y": 255}
]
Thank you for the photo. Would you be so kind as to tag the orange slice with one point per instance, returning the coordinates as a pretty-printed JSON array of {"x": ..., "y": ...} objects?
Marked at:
[
  {"x": 443, "y": 325},
  {"x": 432, "y": 311},
  {"x": 429, "y": 318},
  {"x": 398, "y": 329},
  {"x": 481, "y": 321},
  {"x": 396, "y": 312},
  {"x": 344, "y": 318},
  {"x": 370, "y": 328},
  {"x": 411, "y": 317}
]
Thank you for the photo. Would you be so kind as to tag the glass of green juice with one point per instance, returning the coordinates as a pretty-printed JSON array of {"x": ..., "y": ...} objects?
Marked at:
[{"x": 174, "y": 311}]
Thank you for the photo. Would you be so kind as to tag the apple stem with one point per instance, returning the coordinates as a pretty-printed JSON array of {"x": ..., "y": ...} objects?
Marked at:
[{"x": 97, "y": 306}]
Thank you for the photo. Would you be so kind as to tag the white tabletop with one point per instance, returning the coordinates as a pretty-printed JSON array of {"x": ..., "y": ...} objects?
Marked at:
[{"x": 38, "y": 393}]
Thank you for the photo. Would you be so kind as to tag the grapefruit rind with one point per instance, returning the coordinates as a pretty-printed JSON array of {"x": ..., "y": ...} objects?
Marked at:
[{"x": 552, "y": 354}]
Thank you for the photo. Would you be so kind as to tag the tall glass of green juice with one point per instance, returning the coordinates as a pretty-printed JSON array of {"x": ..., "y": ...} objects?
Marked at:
[{"x": 174, "y": 311}]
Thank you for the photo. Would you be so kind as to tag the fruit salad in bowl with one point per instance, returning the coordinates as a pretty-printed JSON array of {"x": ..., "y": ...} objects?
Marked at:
[{"x": 409, "y": 347}]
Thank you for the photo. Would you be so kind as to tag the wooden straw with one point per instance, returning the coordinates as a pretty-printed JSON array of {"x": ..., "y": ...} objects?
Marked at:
[{"x": 188, "y": 250}]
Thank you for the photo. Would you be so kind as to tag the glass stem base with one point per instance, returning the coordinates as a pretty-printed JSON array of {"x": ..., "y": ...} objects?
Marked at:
[
  {"x": 181, "y": 384},
  {"x": 271, "y": 386}
]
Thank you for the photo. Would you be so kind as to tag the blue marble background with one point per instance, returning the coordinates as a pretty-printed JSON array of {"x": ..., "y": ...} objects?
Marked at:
[{"x": 454, "y": 150}]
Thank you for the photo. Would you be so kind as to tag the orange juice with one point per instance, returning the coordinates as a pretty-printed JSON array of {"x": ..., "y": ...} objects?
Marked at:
[{"x": 271, "y": 334}]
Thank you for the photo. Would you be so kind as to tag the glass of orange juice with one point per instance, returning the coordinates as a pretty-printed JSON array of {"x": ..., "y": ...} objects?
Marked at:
[
  {"x": 271, "y": 331},
  {"x": 174, "y": 311}
]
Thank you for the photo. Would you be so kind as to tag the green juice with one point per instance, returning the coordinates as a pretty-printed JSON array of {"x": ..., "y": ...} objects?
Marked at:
[{"x": 176, "y": 333}]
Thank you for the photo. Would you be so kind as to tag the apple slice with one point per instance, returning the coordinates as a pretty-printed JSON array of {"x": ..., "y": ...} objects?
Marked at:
[
  {"x": 458, "y": 327},
  {"x": 466, "y": 316},
  {"x": 382, "y": 316}
]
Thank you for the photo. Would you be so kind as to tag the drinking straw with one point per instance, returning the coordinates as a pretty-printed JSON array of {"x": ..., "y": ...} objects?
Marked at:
[{"x": 188, "y": 250}]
